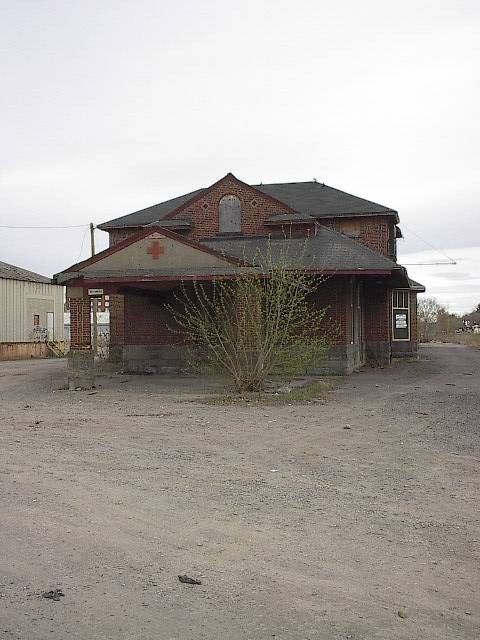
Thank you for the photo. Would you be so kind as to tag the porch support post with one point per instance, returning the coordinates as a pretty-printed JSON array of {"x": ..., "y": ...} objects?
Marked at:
[
  {"x": 117, "y": 328},
  {"x": 81, "y": 366}
]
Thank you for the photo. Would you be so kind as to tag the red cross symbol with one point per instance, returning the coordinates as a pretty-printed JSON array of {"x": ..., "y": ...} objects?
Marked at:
[{"x": 155, "y": 249}]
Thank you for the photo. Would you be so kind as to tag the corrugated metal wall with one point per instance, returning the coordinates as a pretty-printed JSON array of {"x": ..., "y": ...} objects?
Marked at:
[{"x": 20, "y": 301}]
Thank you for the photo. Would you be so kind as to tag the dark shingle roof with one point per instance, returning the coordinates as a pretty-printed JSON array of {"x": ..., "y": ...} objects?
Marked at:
[
  {"x": 306, "y": 198},
  {"x": 328, "y": 250},
  {"x": 150, "y": 214},
  {"x": 11, "y": 272},
  {"x": 416, "y": 286},
  {"x": 320, "y": 200}
]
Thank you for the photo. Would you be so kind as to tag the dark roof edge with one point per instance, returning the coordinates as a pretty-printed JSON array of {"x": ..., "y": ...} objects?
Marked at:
[{"x": 387, "y": 212}]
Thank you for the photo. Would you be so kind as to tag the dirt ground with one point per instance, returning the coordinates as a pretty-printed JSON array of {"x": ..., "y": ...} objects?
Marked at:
[{"x": 298, "y": 526}]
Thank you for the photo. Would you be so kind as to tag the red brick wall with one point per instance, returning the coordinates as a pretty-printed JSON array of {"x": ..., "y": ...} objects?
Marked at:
[
  {"x": 413, "y": 317},
  {"x": 117, "y": 319},
  {"x": 147, "y": 320},
  {"x": 204, "y": 211},
  {"x": 377, "y": 312},
  {"x": 118, "y": 235},
  {"x": 335, "y": 294},
  {"x": 80, "y": 331},
  {"x": 374, "y": 231}
]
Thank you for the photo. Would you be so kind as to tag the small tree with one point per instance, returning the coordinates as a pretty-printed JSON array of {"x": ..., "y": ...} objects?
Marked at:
[
  {"x": 427, "y": 310},
  {"x": 259, "y": 322}
]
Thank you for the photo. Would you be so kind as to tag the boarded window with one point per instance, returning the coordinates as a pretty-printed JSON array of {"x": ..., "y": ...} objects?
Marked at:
[
  {"x": 351, "y": 228},
  {"x": 401, "y": 314},
  {"x": 229, "y": 215}
]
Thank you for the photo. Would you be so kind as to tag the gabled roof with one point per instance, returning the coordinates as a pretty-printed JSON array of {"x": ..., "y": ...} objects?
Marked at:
[
  {"x": 137, "y": 266},
  {"x": 304, "y": 198},
  {"x": 11, "y": 272},
  {"x": 328, "y": 250}
]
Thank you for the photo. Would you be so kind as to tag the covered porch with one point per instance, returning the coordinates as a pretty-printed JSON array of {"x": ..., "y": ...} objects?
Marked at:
[{"x": 143, "y": 275}]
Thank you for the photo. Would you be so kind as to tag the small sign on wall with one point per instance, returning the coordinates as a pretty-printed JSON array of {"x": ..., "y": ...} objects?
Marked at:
[
  {"x": 401, "y": 321},
  {"x": 95, "y": 292},
  {"x": 401, "y": 330}
]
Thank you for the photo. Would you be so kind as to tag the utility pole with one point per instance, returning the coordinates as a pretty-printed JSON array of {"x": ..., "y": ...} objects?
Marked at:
[
  {"x": 92, "y": 238},
  {"x": 94, "y": 300}
]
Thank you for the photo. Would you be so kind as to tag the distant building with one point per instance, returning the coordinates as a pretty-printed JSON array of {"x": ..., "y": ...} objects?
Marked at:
[{"x": 31, "y": 313}]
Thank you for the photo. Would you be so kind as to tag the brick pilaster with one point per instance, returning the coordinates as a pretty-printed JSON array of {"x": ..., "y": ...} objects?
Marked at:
[
  {"x": 117, "y": 320},
  {"x": 80, "y": 331}
]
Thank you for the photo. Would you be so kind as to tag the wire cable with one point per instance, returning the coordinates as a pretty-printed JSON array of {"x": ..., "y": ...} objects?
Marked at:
[
  {"x": 83, "y": 242},
  {"x": 451, "y": 260},
  {"x": 71, "y": 226}
]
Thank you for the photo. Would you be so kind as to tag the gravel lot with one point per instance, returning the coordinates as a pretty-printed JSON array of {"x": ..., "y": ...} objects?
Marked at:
[{"x": 298, "y": 526}]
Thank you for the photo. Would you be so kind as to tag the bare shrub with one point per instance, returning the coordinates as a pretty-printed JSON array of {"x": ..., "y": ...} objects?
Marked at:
[{"x": 259, "y": 323}]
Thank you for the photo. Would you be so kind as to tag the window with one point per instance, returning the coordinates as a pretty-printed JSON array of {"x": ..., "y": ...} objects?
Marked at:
[
  {"x": 36, "y": 321},
  {"x": 351, "y": 228},
  {"x": 401, "y": 314},
  {"x": 229, "y": 215}
]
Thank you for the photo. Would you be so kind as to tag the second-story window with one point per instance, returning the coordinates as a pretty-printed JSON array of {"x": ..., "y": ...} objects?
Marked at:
[{"x": 229, "y": 215}]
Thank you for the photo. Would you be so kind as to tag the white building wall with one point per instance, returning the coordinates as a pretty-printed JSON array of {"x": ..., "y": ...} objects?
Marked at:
[{"x": 20, "y": 301}]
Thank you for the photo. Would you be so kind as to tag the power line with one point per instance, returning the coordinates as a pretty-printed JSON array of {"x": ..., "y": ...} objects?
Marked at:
[
  {"x": 83, "y": 241},
  {"x": 449, "y": 259},
  {"x": 427, "y": 264},
  {"x": 71, "y": 226}
]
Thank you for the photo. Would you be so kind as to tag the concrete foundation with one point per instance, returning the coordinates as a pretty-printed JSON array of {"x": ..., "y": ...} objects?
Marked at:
[
  {"x": 404, "y": 349},
  {"x": 339, "y": 360},
  {"x": 378, "y": 353},
  {"x": 166, "y": 359},
  {"x": 80, "y": 369},
  {"x": 172, "y": 359}
]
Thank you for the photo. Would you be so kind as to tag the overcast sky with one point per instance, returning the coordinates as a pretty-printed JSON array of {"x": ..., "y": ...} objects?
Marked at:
[{"x": 108, "y": 107}]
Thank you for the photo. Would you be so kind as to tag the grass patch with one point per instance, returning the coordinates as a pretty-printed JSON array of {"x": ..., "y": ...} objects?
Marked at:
[
  {"x": 315, "y": 392},
  {"x": 469, "y": 339}
]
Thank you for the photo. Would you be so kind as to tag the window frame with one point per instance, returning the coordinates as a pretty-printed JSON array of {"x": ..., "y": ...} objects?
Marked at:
[
  {"x": 396, "y": 307},
  {"x": 238, "y": 222}
]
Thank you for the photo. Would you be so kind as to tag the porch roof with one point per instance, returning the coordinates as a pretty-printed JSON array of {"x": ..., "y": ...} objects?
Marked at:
[
  {"x": 327, "y": 250},
  {"x": 178, "y": 258}
]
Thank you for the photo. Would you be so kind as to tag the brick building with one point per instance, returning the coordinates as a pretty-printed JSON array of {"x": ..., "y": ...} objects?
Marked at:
[{"x": 213, "y": 233}]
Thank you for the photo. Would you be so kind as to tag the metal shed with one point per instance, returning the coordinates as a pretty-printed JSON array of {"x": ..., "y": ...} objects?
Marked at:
[{"x": 31, "y": 313}]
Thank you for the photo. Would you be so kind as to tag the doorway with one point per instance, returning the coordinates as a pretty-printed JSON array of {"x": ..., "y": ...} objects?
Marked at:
[{"x": 50, "y": 326}]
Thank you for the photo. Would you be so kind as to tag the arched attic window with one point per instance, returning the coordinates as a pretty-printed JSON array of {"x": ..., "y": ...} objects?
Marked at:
[{"x": 229, "y": 215}]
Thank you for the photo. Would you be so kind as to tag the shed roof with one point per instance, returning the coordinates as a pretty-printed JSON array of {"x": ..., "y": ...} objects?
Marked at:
[{"x": 11, "y": 272}]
